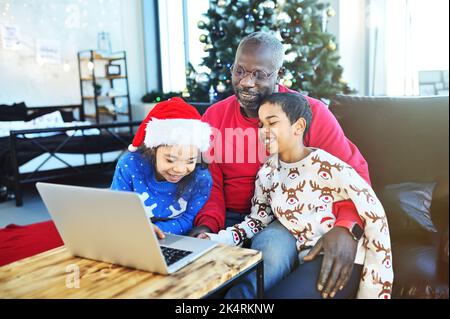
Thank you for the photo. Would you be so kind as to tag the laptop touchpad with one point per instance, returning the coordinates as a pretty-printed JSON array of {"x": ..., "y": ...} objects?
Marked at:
[{"x": 169, "y": 240}]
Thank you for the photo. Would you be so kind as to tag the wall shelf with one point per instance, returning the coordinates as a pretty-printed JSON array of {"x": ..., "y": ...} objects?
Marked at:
[
  {"x": 105, "y": 77},
  {"x": 103, "y": 97},
  {"x": 92, "y": 71}
]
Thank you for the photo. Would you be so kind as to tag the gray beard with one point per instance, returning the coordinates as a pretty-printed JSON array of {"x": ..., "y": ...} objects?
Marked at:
[{"x": 251, "y": 107}]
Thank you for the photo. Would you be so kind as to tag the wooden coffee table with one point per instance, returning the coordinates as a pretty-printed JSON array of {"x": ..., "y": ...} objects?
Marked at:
[{"x": 55, "y": 274}]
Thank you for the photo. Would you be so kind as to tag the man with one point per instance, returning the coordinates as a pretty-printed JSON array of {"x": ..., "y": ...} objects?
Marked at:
[{"x": 255, "y": 75}]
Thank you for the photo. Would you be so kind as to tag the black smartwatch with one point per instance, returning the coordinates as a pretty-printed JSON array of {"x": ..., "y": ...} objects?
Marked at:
[{"x": 355, "y": 230}]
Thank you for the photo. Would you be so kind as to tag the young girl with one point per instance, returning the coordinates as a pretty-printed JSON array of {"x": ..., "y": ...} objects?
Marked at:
[
  {"x": 298, "y": 186},
  {"x": 164, "y": 171}
]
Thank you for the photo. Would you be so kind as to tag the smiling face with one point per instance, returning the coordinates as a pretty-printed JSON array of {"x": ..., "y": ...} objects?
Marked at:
[
  {"x": 250, "y": 91},
  {"x": 276, "y": 131},
  {"x": 175, "y": 162}
]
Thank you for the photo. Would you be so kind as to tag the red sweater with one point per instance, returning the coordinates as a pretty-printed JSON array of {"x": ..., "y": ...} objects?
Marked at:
[{"x": 236, "y": 164}]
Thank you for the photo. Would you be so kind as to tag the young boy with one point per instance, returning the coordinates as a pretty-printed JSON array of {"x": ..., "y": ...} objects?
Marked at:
[{"x": 298, "y": 186}]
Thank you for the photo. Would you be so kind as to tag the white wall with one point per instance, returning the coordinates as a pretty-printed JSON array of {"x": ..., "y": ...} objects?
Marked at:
[
  {"x": 74, "y": 24},
  {"x": 132, "y": 32}
]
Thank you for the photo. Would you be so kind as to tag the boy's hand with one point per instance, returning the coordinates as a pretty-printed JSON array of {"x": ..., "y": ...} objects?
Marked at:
[
  {"x": 196, "y": 231},
  {"x": 203, "y": 236},
  {"x": 159, "y": 233}
]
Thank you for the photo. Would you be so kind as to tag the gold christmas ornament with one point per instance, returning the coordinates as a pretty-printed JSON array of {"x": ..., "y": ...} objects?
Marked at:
[
  {"x": 331, "y": 12},
  {"x": 207, "y": 47},
  {"x": 331, "y": 46},
  {"x": 268, "y": 4},
  {"x": 287, "y": 83},
  {"x": 185, "y": 93},
  {"x": 201, "y": 24},
  {"x": 221, "y": 87}
]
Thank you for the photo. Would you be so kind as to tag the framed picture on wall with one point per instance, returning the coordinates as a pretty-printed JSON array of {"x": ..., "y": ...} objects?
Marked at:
[{"x": 112, "y": 69}]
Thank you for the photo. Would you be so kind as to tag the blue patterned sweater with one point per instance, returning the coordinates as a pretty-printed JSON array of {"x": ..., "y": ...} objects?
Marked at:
[{"x": 135, "y": 173}]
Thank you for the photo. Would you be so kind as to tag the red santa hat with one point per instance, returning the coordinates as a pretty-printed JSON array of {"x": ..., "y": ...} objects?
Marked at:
[{"x": 172, "y": 122}]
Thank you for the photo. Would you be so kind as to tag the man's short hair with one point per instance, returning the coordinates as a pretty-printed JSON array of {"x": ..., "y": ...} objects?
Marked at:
[
  {"x": 294, "y": 105},
  {"x": 267, "y": 40}
]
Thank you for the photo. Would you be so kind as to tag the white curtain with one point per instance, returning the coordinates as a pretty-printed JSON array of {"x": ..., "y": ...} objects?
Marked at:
[
  {"x": 401, "y": 69},
  {"x": 405, "y": 37},
  {"x": 392, "y": 67},
  {"x": 172, "y": 42}
]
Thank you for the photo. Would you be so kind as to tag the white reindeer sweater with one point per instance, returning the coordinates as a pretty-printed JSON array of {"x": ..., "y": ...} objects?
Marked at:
[{"x": 300, "y": 195}]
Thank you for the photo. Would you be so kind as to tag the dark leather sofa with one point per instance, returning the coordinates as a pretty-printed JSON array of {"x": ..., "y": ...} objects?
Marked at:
[{"x": 406, "y": 140}]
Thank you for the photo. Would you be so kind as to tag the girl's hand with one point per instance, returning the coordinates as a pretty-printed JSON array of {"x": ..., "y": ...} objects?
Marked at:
[
  {"x": 158, "y": 232},
  {"x": 203, "y": 236}
]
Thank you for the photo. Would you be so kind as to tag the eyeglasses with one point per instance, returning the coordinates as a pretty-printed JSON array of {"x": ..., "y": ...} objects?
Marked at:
[{"x": 260, "y": 76}]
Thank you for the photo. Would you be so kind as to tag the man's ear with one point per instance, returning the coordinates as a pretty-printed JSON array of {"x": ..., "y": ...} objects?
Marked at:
[{"x": 300, "y": 126}]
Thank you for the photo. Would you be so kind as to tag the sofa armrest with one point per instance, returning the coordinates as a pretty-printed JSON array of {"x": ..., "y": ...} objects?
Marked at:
[{"x": 443, "y": 249}]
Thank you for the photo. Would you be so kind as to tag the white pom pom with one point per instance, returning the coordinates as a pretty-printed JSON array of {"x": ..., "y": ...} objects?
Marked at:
[{"x": 132, "y": 148}]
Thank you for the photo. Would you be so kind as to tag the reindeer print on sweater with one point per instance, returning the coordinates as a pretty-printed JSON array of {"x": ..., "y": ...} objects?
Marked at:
[{"x": 301, "y": 195}]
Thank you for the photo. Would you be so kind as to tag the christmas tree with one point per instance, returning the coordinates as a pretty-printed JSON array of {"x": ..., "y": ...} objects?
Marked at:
[{"x": 311, "y": 62}]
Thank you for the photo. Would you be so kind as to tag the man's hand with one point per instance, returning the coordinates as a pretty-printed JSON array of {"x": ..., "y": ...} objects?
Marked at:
[
  {"x": 199, "y": 230},
  {"x": 339, "y": 249}
]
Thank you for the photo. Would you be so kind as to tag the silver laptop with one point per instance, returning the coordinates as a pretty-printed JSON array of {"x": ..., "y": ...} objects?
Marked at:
[{"x": 113, "y": 226}]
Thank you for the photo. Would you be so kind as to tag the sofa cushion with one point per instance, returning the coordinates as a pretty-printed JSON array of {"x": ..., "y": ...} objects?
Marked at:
[
  {"x": 403, "y": 139},
  {"x": 408, "y": 206}
]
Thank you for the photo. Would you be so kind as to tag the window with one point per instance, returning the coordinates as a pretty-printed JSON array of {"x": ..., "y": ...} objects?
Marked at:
[
  {"x": 179, "y": 40},
  {"x": 409, "y": 39},
  {"x": 171, "y": 28},
  {"x": 194, "y": 14}
]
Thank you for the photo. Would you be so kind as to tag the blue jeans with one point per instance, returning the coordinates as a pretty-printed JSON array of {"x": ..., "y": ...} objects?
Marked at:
[
  {"x": 233, "y": 218},
  {"x": 302, "y": 283},
  {"x": 278, "y": 247}
]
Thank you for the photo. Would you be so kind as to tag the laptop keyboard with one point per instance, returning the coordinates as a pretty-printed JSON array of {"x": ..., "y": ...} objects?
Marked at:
[{"x": 172, "y": 255}]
